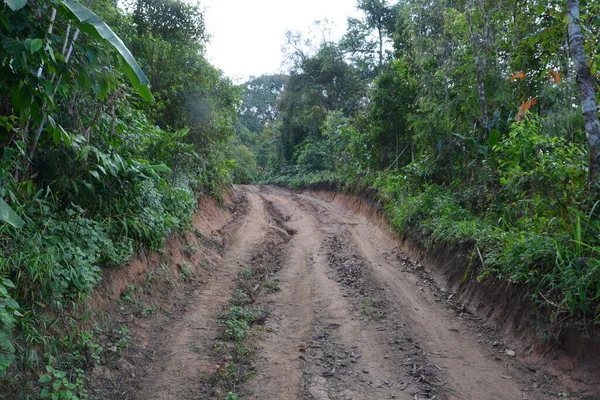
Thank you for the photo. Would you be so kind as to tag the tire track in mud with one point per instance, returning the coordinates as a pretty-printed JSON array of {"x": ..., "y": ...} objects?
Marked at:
[
  {"x": 316, "y": 343},
  {"x": 234, "y": 356},
  {"x": 352, "y": 322},
  {"x": 442, "y": 339},
  {"x": 184, "y": 351},
  {"x": 369, "y": 349},
  {"x": 380, "y": 320},
  {"x": 174, "y": 357}
]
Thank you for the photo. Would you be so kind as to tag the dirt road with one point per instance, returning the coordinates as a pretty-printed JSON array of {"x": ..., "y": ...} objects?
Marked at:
[{"x": 354, "y": 318}]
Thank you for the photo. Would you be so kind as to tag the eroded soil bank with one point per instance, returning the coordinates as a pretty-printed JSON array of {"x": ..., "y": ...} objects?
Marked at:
[{"x": 354, "y": 315}]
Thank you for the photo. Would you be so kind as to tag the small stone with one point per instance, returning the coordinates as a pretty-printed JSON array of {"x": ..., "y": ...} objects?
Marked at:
[{"x": 510, "y": 353}]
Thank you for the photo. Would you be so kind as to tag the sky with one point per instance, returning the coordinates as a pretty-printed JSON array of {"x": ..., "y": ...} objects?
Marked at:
[{"x": 247, "y": 35}]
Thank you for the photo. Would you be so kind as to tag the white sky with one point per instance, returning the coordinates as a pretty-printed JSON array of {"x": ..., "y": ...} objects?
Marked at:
[{"x": 247, "y": 35}]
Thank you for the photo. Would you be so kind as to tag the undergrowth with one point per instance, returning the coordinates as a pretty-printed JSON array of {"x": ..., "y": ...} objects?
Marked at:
[
  {"x": 48, "y": 268},
  {"x": 93, "y": 167},
  {"x": 529, "y": 222}
]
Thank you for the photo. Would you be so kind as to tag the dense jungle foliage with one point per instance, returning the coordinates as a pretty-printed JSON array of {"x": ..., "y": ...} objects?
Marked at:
[
  {"x": 472, "y": 119},
  {"x": 94, "y": 165},
  {"x": 466, "y": 118}
]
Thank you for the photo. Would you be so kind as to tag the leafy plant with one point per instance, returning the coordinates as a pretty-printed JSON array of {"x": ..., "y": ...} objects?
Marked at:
[
  {"x": 93, "y": 25},
  {"x": 87, "y": 175},
  {"x": 9, "y": 216},
  {"x": 57, "y": 386},
  {"x": 186, "y": 272},
  {"x": 9, "y": 311},
  {"x": 238, "y": 320}
]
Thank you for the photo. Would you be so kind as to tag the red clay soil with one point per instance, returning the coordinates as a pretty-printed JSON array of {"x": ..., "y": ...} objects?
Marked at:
[{"x": 359, "y": 314}]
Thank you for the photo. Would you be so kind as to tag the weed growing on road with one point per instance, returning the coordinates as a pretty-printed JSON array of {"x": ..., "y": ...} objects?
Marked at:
[
  {"x": 148, "y": 311},
  {"x": 245, "y": 278},
  {"x": 237, "y": 321},
  {"x": 128, "y": 295},
  {"x": 121, "y": 339},
  {"x": 368, "y": 309},
  {"x": 231, "y": 396},
  {"x": 168, "y": 275},
  {"x": 240, "y": 298},
  {"x": 190, "y": 250},
  {"x": 271, "y": 285}
]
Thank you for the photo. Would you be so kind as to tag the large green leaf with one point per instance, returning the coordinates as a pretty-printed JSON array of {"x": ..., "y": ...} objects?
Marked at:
[
  {"x": 15, "y": 5},
  {"x": 93, "y": 25},
  {"x": 9, "y": 216},
  {"x": 494, "y": 137}
]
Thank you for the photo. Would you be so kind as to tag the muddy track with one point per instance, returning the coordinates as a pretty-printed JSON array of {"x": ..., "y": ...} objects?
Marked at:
[{"x": 354, "y": 318}]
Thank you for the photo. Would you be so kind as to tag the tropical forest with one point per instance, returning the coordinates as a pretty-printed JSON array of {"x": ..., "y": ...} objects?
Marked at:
[{"x": 407, "y": 210}]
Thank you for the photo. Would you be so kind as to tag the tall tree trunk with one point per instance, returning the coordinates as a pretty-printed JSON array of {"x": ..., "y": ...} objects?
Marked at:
[
  {"x": 586, "y": 84},
  {"x": 480, "y": 49},
  {"x": 380, "y": 31}
]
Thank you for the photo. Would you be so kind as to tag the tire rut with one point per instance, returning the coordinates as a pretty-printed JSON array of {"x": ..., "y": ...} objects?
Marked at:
[
  {"x": 348, "y": 316},
  {"x": 174, "y": 357},
  {"x": 184, "y": 352},
  {"x": 316, "y": 343},
  {"x": 444, "y": 338},
  {"x": 354, "y": 321}
]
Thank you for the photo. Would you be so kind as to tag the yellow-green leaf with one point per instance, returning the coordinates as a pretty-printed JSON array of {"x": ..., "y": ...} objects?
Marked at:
[
  {"x": 35, "y": 45},
  {"x": 9, "y": 216}
]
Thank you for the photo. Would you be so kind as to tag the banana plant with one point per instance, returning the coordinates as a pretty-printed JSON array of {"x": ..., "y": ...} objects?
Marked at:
[
  {"x": 15, "y": 5},
  {"x": 93, "y": 25}
]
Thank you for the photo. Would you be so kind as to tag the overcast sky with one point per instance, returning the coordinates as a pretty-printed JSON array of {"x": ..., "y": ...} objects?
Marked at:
[{"x": 247, "y": 35}]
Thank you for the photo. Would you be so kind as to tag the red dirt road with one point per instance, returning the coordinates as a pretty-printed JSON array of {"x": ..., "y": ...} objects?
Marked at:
[{"x": 354, "y": 318}]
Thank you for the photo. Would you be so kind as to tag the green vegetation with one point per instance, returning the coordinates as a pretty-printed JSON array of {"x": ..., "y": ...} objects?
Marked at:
[
  {"x": 112, "y": 123},
  {"x": 464, "y": 119},
  {"x": 238, "y": 321}
]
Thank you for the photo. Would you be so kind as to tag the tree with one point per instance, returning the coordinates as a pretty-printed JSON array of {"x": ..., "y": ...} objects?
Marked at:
[
  {"x": 172, "y": 20},
  {"x": 259, "y": 101},
  {"x": 392, "y": 101},
  {"x": 319, "y": 84},
  {"x": 380, "y": 18},
  {"x": 587, "y": 88},
  {"x": 168, "y": 38}
]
